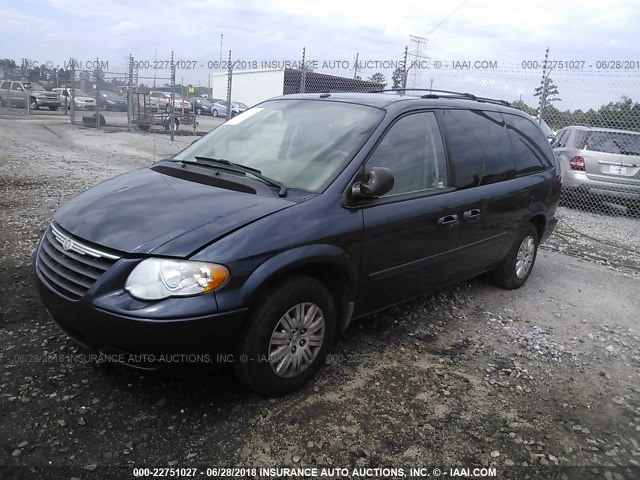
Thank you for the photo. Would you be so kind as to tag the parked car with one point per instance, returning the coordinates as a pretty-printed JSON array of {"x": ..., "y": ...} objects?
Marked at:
[
  {"x": 599, "y": 162},
  {"x": 261, "y": 241},
  {"x": 112, "y": 101},
  {"x": 81, "y": 100},
  {"x": 239, "y": 106},
  {"x": 219, "y": 108},
  {"x": 181, "y": 104},
  {"x": 202, "y": 105},
  {"x": 16, "y": 94},
  {"x": 546, "y": 129},
  {"x": 160, "y": 98}
]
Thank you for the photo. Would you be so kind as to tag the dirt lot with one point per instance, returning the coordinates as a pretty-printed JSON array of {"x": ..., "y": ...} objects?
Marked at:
[{"x": 546, "y": 377}]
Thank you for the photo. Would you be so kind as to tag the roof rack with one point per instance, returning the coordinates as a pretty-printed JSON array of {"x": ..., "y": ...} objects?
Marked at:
[{"x": 449, "y": 94}]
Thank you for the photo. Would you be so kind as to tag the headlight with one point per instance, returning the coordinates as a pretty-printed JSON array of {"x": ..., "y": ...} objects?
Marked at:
[{"x": 157, "y": 278}]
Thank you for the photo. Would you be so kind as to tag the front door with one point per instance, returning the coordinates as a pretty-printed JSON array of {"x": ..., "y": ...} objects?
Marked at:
[{"x": 409, "y": 233}]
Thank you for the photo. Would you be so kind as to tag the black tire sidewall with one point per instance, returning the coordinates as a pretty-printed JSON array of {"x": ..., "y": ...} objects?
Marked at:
[
  {"x": 505, "y": 274},
  {"x": 251, "y": 366}
]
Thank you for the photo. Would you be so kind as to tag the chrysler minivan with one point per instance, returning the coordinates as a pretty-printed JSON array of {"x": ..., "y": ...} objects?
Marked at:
[{"x": 262, "y": 241}]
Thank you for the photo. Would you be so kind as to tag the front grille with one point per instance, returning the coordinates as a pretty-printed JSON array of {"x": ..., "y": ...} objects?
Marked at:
[{"x": 69, "y": 266}]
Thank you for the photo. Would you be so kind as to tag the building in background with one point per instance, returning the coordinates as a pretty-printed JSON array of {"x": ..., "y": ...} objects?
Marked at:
[{"x": 255, "y": 86}]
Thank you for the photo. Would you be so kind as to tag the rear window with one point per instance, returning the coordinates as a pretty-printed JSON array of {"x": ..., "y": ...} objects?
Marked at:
[{"x": 619, "y": 143}]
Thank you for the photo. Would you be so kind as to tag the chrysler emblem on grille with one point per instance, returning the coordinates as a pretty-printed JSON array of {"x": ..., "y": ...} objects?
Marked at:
[{"x": 67, "y": 244}]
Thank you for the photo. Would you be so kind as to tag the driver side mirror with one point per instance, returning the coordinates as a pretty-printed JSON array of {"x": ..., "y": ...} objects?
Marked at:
[{"x": 379, "y": 181}]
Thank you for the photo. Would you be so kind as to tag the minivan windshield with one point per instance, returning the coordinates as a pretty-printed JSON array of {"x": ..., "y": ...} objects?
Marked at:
[{"x": 303, "y": 144}]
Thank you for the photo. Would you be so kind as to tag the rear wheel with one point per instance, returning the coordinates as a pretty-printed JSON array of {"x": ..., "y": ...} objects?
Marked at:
[
  {"x": 52, "y": 108},
  {"x": 288, "y": 334},
  {"x": 516, "y": 267}
]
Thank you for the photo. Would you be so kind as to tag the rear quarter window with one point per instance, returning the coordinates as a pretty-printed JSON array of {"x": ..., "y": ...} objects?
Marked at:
[
  {"x": 530, "y": 147},
  {"x": 479, "y": 147}
]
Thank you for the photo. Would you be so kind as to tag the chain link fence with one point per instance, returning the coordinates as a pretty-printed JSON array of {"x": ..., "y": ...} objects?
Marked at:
[
  {"x": 588, "y": 111},
  {"x": 588, "y": 115}
]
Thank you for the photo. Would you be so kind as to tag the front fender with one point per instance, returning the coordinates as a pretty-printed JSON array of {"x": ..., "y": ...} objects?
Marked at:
[
  {"x": 295, "y": 259},
  {"x": 299, "y": 257}
]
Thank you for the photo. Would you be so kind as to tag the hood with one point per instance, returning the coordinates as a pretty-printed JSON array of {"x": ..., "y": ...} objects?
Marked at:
[{"x": 148, "y": 212}]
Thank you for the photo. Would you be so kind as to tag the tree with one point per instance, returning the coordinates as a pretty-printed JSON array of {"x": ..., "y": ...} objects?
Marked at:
[
  {"x": 551, "y": 95},
  {"x": 7, "y": 66},
  {"x": 398, "y": 78},
  {"x": 519, "y": 104},
  {"x": 378, "y": 78}
]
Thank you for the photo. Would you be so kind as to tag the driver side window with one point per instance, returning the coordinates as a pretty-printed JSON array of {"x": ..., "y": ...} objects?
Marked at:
[{"x": 413, "y": 150}]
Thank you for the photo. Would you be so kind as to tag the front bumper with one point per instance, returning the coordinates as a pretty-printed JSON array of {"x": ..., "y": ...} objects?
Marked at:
[
  {"x": 47, "y": 102},
  {"x": 105, "y": 331}
]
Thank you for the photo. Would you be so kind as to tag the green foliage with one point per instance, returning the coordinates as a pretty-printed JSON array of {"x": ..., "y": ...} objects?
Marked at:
[
  {"x": 552, "y": 94},
  {"x": 397, "y": 78},
  {"x": 623, "y": 114},
  {"x": 378, "y": 78}
]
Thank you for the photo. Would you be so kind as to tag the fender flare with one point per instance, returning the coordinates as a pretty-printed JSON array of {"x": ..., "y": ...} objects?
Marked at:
[{"x": 300, "y": 257}]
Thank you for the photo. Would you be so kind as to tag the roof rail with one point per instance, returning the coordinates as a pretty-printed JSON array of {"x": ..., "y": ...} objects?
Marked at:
[{"x": 449, "y": 94}]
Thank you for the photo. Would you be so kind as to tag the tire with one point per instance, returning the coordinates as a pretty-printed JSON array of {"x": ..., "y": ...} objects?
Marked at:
[
  {"x": 53, "y": 109},
  {"x": 514, "y": 270},
  {"x": 265, "y": 335},
  {"x": 167, "y": 124},
  {"x": 215, "y": 113},
  {"x": 33, "y": 105}
]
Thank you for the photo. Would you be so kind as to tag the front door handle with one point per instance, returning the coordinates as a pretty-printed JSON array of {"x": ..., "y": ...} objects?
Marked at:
[
  {"x": 471, "y": 215},
  {"x": 448, "y": 220}
]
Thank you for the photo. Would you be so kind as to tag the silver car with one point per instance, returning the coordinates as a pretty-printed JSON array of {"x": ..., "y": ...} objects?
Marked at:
[
  {"x": 82, "y": 100},
  {"x": 599, "y": 161}
]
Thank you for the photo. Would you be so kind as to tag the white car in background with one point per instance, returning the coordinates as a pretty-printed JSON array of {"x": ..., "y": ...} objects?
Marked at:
[{"x": 82, "y": 100}]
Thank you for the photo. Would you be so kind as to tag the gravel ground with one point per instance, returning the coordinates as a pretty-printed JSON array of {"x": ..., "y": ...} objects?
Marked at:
[{"x": 532, "y": 381}]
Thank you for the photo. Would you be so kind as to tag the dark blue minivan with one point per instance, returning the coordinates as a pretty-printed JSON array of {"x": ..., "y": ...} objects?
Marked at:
[{"x": 266, "y": 237}]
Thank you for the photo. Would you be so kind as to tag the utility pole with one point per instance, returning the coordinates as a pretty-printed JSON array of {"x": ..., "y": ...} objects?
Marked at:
[
  {"x": 544, "y": 82},
  {"x": 155, "y": 58},
  {"x": 355, "y": 67},
  {"x": 220, "y": 64},
  {"x": 303, "y": 73},
  {"x": 404, "y": 68},
  {"x": 416, "y": 52},
  {"x": 229, "y": 85}
]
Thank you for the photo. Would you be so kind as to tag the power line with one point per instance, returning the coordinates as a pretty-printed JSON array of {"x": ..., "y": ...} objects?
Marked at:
[{"x": 447, "y": 17}]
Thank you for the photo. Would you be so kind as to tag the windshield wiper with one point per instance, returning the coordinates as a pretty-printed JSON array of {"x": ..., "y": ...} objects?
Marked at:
[{"x": 239, "y": 168}]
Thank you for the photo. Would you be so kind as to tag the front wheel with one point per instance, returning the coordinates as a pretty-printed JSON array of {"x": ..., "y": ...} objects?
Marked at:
[
  {"x": 289, "y": 332},
  {"x": 33, "y": 105},
  {"x": 516, "y": 267},
  {"x": 52, "y": 108}
]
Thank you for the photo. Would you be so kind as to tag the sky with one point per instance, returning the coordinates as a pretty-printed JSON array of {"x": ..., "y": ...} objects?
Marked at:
[{"x": 507, "y": 32}]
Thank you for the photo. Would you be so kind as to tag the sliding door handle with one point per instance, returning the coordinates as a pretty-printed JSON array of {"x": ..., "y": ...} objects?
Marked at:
[
  {"x": 471, "y": 215},
  {"x": 448, "y": 220}
]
